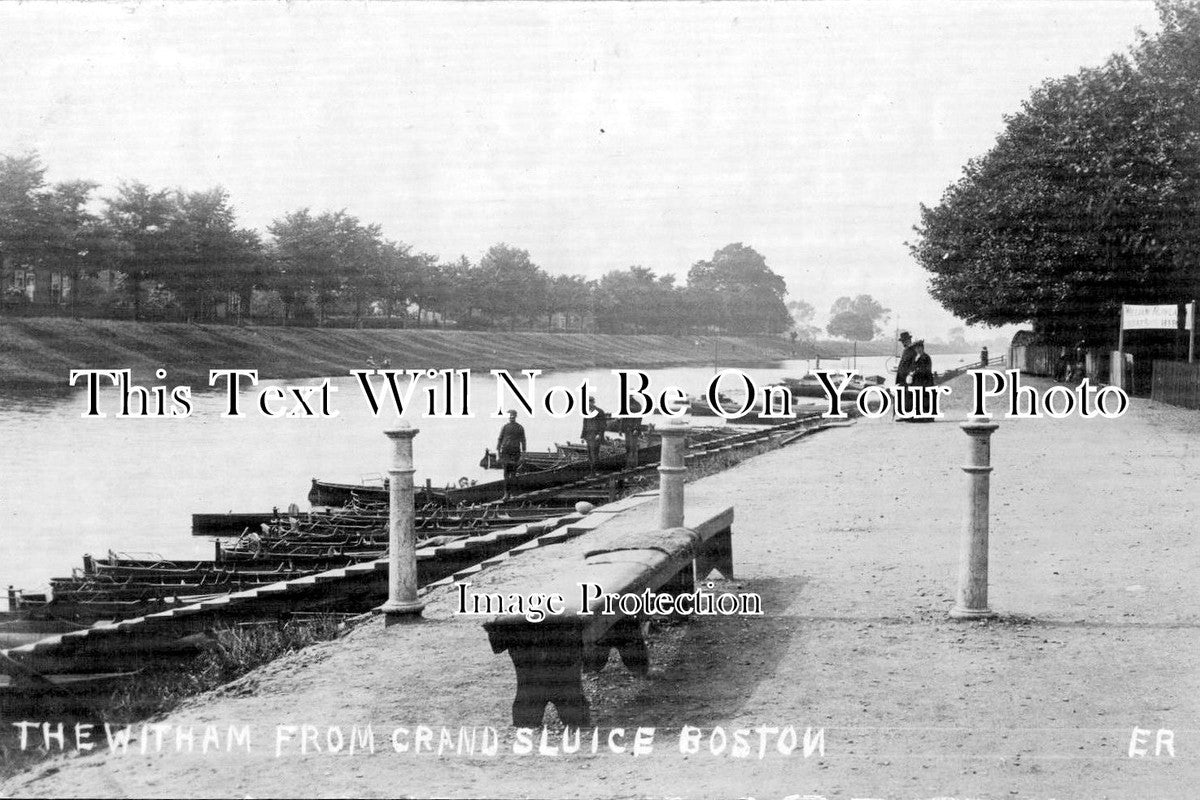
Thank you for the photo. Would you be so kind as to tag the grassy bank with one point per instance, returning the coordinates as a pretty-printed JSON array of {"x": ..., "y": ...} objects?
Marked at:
[{"x": 39, "y": 353}]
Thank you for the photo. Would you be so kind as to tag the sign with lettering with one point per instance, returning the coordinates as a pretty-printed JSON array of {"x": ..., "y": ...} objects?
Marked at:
[{"x": 1150, "y": 317}]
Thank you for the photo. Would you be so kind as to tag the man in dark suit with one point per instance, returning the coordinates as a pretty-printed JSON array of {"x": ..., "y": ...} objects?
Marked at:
[
  {"x": 904, "y": 368},
  {"x": 510, "y": 447},
  {"x": 903, "y": 372},
  {"x": 593, "y": 431}
]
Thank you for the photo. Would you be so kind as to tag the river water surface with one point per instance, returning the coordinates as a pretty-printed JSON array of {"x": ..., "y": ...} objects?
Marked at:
[{"x": 71, "y": 485}]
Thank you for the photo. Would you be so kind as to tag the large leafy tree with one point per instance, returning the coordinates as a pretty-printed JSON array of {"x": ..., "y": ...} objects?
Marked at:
[
  {"x": 326, "y": 257},
  {"x": 513, "y": 287},
  {"x": 71, "y": 239},
  {"x": 570, "y": 295},
  {"x": 211, "y": 257},
  {"x": 143, "y": 245},
  {"x": 745, "y": 294},
  {"x": 433, "y": 287},
  {"x": 1090, "y": 197},
  {"x": 399, "y": 276},
  {"x": 305, "y": 255},
  {"x": 47, "y": 226},
  {"x": 359, "y": 261},
  {"x": 857, "y": 319},
  {"x": 462, "y": 297},
  {"x": 635, "y": 300},
  {"x": 803, "y": 314},
  {"x": 22, "y": 181}
]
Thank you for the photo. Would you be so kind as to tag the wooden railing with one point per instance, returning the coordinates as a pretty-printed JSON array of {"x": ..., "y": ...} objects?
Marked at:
[{"x": 951, "y": 374}]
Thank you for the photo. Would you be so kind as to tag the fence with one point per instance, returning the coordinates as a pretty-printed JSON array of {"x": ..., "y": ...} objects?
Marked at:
[
  {"x": 1048, "y": 360},
  {"x": 25, "y": 308},
  {"x": 1177, "y": 383},
  {"x": 1035, "y": 359}
]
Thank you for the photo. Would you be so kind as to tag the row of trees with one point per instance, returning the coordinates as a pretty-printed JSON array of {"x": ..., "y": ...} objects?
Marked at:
[
  {"x": 189, "y": 247},
  {"x": 1089, "y": 199}
]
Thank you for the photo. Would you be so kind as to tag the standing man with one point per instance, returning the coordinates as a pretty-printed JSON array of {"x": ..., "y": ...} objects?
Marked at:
[
  {"x": 593, "y": 431},
  {"x": 903, "y": 372},
  {"x": 904, "y": 368},
  {"x": 510, "y": 447}
]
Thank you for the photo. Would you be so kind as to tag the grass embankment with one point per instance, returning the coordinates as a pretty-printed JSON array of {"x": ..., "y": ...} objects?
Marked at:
[{"x": 39, "y": 353}]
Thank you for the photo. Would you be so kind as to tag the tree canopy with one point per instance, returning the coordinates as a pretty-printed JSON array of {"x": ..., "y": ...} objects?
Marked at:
[
  {"x": 1090, "y": 197},
  {"x": 741, "y": 290},
  {"x": 856, "y": 319},
  {"x": 178, "y": 254}
]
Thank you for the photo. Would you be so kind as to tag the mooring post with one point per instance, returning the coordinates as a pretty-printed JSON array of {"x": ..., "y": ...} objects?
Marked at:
[
  {"x": 402, "y": 603},
  {"x": 972, "y": 600},
  {"x": 672, "y": 469},
  {"x": 671, "y": 472}
]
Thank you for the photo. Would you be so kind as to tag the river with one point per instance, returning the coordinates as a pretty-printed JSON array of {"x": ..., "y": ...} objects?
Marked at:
[{"x": 72, "y": 484}]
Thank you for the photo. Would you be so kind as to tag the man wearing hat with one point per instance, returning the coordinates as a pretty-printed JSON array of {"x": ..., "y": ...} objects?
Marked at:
[
  {"x": 510, "y": 447},
  {"x": 905, "y": 367}
]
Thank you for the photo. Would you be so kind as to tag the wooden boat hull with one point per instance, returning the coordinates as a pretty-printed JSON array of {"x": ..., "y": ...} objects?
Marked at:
[
  {"x": 229, "y": 524},
  {"x": 326, "y": 493}
]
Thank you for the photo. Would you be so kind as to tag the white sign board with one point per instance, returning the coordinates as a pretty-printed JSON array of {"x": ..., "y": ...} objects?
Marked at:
[{"x": 1150, "y": 317}]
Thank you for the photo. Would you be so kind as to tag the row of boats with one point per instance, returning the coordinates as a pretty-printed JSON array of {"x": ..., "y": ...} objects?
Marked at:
[
  {"x": 348, "y": 525},
  {"x": 801, "y": 390},
  {"x": 456, "y": 528},
  {"x": 566, "y": 464},
  {"x": 285, "y": 547}
]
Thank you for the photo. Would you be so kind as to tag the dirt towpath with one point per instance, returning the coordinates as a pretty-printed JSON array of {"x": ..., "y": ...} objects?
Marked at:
[{"x": 851, "y": 539}]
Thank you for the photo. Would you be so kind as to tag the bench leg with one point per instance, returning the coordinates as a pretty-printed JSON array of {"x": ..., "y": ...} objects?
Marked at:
[
  {"x": 549, "y": 675},
  {"x": 595, "y": 656},
  {"x": 628, "y": 638},
  {"x": 684, "y": 582},
  {"x": 717, "y": 554}
]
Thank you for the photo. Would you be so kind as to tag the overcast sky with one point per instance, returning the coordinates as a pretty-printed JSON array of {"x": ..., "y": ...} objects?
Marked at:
[{"x": 595, "y": 135}]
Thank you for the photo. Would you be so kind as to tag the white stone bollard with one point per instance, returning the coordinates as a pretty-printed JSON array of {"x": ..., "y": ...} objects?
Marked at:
[
  {"x": 972, "y": 602},
  {"x": 402, "y": 603},
  {"x": 671, "y": 472}
]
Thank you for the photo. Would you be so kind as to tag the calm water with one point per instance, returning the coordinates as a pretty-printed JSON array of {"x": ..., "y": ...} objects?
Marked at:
[{"x": 71, "y": 485}]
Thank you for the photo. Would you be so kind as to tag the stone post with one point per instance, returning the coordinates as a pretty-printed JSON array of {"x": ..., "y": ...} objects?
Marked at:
[
  {"x": 402, "y": 603},
  {"x": 972, "y": 600},
  {"x": 671, "y": 472}
]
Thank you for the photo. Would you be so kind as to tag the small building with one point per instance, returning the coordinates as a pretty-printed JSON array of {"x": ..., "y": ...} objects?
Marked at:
[{"x": 37, "y": 285}]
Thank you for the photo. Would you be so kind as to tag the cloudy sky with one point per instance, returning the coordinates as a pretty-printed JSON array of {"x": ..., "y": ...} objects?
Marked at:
[{"x": 594, "y": 135}]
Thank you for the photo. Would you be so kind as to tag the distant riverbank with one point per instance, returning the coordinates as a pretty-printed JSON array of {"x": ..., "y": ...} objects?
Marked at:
[{"x": 39, "y": 353}]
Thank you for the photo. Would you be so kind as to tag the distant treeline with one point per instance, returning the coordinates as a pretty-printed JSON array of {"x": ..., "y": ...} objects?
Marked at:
[{"x": 176, "y": 254}]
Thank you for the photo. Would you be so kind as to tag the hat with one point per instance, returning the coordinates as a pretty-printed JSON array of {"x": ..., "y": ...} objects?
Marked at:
[
  {"x": 919, "y": 343},
  {"x": 512, "y": 413},
  {"x": 905, "y": 335}
]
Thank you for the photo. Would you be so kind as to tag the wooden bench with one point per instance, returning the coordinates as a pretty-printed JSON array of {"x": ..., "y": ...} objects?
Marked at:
[{"x": 628, "y": 558}]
